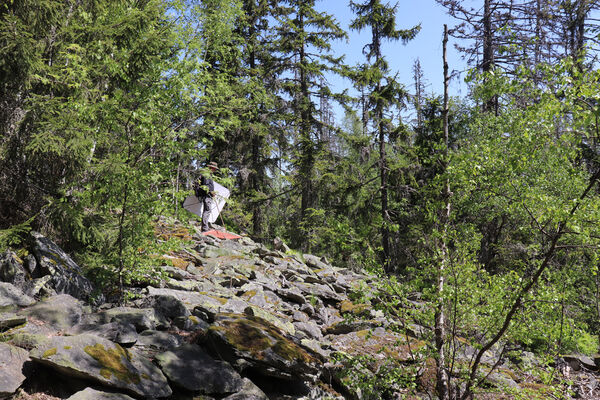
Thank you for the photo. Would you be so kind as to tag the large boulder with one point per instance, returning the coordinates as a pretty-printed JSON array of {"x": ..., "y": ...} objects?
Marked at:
[
  {"x": 12, "y": 360},
  {"x": 142, "y": 318},
  {"x": 11, "y": 296},
  {"x": 123, "y": 333},
  {"x": 12, "y": 270},
  {"x": 66, "y": 275},
  {"x": 92, "y": 357},
  {"x": 191, "y": 368},
  {"x": 59, "y": 312},
  {"x": 252, "y": 342}
]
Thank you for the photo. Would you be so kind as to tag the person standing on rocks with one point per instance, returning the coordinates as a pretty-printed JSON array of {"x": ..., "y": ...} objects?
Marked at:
[{"x": 204, "y": 189}]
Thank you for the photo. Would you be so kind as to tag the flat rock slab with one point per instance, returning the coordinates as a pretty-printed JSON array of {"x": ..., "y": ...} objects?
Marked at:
[
  {"x": 93, "y": 357},
  {"x": 142, "y": 318},
  {"x": 158, "y": 340},
  {"x": 191, "y": 368},
  {"x": 10, "y": 295},
  {"x": 9, "y": 320},
  {"x": 122, "y": 333},
  {"x": 189, "y": 299},
  {"x": 263, "y": 347},
  {"x": 12, "y": 360},
  {"x": 92, "y": 394},
  {"x": 61, "y": 312}
]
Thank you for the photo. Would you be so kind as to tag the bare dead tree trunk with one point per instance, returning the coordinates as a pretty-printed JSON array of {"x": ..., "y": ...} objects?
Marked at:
[{"x": 440, "y": 318}]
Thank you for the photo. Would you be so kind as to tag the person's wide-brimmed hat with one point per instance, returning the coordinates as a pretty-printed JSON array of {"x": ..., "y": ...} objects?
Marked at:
[{"x": 212, "y": 164}]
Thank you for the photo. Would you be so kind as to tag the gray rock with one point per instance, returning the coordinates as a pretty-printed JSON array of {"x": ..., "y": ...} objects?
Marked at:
[
  {"x": 191, "y": 368},
  {"x": 280, "y": 245},
  {"x": 189, "y": 299},
  {"x": 12, "y": 360},
  {"x": 316, "y": 347},
  {"x": 9, "y": 320},
  {"x": 279, "y": 321},
  {"x": 292, "y": 294},
  {"x": 254, "y": 343},
  {"x": 12, "y": 270},
  {"x": 92, "y": 394},
  {"x": 142, "y": 318},
  {"x": 310, "y": 329},
  {"x": 325, "y": 292},
  {"x": 314, "y": 262},
  {"x": 92, "y": 357},
  {"x": 328, "y": 316},
  {"x": 158, "y": 340},
  {"x": 249, "y": 391},
  {"x": 577, "y": 361},
  {"x": 343, "y": 327},
  {"x": 308, "y": 309},
  {"x": 190, "y": 323},
  {"x": 40, "y": 287},
  {"x": 66, "y": 275},
  {"x": 10, "y": 295},
  {"x": 177, "y": 273},
  {"x": 61, "y": 312},
  {"x": 167, "y": 305},
  {"x": 190, "y": 285},
  {"x": 502, "y": 380},
  {"x": 122, "y": 333},
  {"x": 31, "y": 265},
  {"x": 212, "y": 305},
  {"x": 299, "y": 316}
]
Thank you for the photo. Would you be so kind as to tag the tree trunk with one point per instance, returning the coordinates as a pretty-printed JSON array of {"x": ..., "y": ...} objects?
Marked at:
[
  {"x": 442, "y": 383},
  {"x": 487, "y": 63}
]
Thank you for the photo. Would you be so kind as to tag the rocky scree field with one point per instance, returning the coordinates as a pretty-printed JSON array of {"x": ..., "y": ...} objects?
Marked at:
[{"x": 234, "y": 320}]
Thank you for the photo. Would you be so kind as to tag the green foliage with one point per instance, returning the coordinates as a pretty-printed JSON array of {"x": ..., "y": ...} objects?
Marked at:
[
  {"x": 369, "y": 378},
  {"x": 14, "y": 235}
]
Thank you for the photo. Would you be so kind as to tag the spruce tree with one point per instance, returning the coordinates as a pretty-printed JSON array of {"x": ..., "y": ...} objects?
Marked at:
[
  {"x": 384, "y": 90},
  {"x": 303, "y": 47}
]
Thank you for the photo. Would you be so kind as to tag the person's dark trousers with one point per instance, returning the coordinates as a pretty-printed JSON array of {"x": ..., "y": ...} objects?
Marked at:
[{"x": 208, "y": 204}]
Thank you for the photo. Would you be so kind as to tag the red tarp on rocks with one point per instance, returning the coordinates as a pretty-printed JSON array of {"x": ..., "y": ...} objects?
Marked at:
[{"x": 221, "y": 234}]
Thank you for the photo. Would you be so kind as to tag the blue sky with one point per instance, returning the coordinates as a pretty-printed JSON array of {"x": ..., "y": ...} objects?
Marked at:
[{"x": 427, "y": 46}]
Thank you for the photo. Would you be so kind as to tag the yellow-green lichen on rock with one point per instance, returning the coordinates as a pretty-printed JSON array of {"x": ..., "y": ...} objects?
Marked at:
[
  {"x": 112, "y": 363},
  {"x": 348, "y": 307},
  {"x": 49, "y": 352},
  {"x": 255, "y": 336}
]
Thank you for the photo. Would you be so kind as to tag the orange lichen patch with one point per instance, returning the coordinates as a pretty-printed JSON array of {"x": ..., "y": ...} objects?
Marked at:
[
  {"x": 166, "y": 232},
  {"x": 379, "y": 344},
  {"x": 347, "y": 307},
  {"x": 179, "y": 263},
  {"x": 249, "y": 294},
  {"x": 427, "y": 380}
]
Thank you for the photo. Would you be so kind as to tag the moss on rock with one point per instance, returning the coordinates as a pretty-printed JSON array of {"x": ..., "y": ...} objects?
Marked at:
[{"x": 112, "y": 363}]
